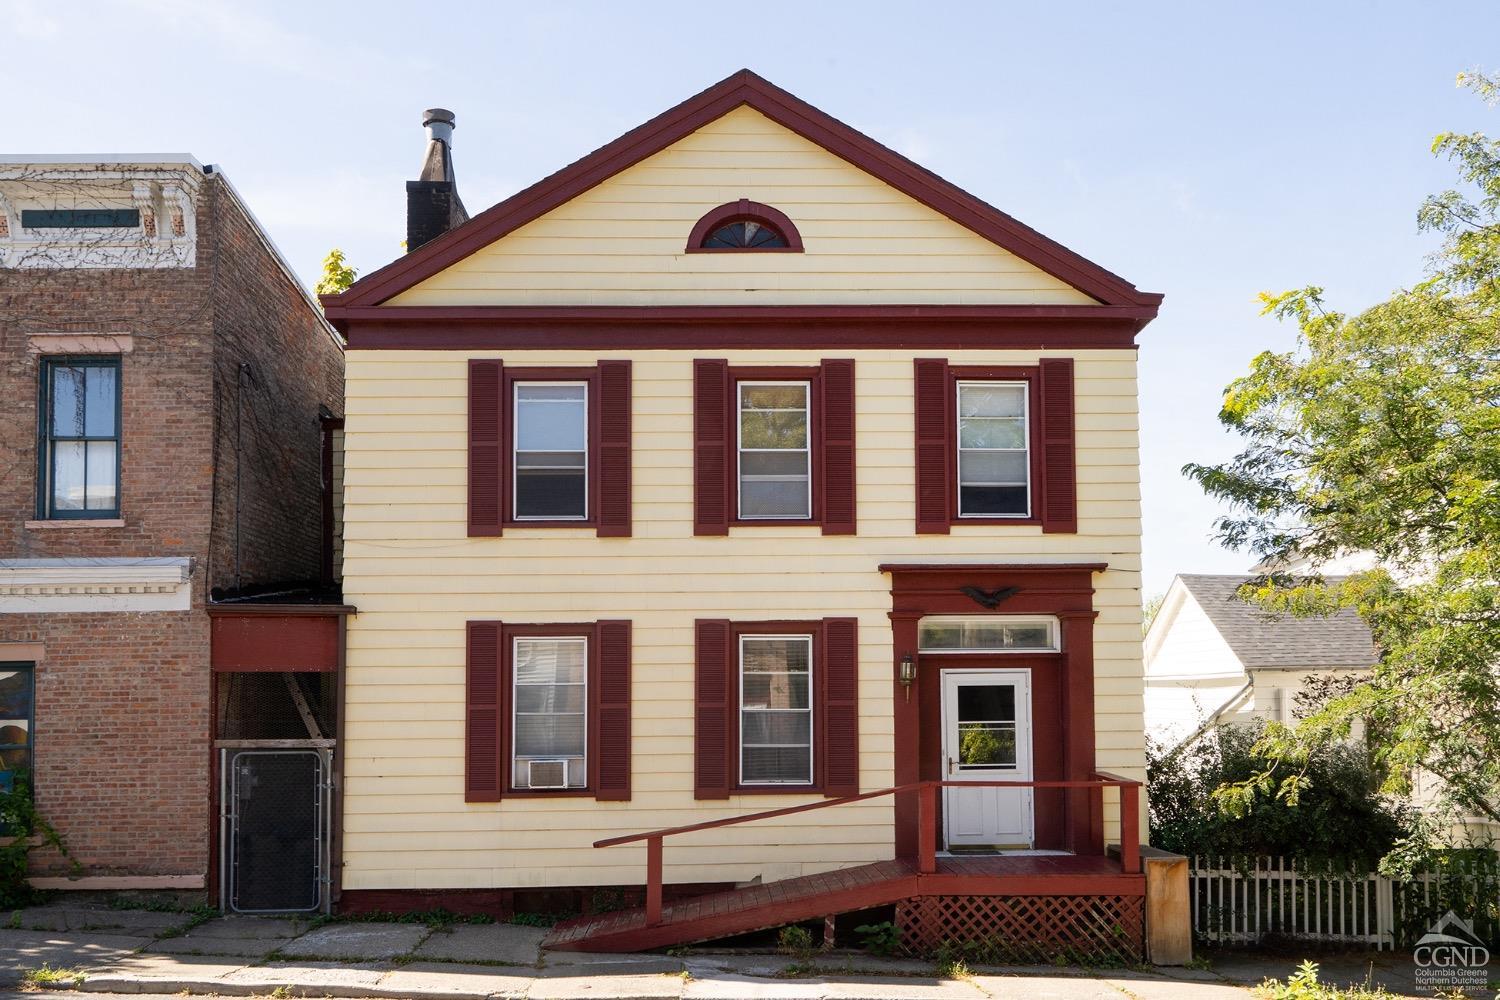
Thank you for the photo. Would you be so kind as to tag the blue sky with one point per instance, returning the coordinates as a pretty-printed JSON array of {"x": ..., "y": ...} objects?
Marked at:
[{"x": 1201, "y": 150}]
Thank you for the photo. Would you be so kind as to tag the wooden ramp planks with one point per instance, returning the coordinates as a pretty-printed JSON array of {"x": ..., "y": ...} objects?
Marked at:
[{"x": 758, "y": 907}]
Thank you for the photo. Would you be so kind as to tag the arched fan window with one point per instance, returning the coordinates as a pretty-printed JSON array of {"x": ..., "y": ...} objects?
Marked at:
[{"x": 744, "y": 225}]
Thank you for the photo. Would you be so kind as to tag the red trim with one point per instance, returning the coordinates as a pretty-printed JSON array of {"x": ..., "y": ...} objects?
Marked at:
[
  {"x": 486, "y": 476},
  {"x": 1065, "y": 590},
  {"x": 590, "y": 633},
  {"x": 1056, "y": 411},
  {"x": 1051, "y": 493},
  {"x": 744, "y": 210},
  {"x": 717, "y": 707},
  {"x": 274, "y": 642},
  {"x": 484, "y": 708},
  {"x": 742, "y": 88},
  {"x": 711, "y": 446},
  {"x": 1029, "y": 374},
  {"x": 590, "y": 376},
  {"x": 489, "y": 763},
  {"x": 813, "y": 378},
  {"x": 931, "y": 327},
  {"x": 492, "y": 446},
  {"x": 613, "y": 448}
]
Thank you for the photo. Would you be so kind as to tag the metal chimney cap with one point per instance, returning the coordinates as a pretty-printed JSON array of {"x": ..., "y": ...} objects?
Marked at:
[{"x": 440, "y": 115}]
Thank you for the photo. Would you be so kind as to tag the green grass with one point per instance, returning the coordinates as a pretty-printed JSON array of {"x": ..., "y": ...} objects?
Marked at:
[
  {"x": 47, "y": 977},
  {"x": 1304, "y": 985}
]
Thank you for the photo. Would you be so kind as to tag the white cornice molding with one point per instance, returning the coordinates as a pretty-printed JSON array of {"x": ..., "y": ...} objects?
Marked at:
[{"x": 153, "y": 583}]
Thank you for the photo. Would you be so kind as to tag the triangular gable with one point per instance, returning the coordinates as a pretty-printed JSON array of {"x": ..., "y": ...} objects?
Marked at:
[{"x": 744, "y": 89}]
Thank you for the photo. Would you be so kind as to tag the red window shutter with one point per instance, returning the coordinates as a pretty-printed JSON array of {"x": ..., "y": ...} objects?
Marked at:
[
  {"x": 612, "y": 750},
  {"x": 1059, "y": 511},
  {"x": 836, "y": 383},
  {"x": 614, "y": 449},
  {"x": 483, "y": 714},
  {"x": 710, "y": 447},
  {"x": 840, "y": 706},
  {"x": 935, "y": 439},
  {"x": 486, "y": 447},
  {"x": 711, "y": 710}
]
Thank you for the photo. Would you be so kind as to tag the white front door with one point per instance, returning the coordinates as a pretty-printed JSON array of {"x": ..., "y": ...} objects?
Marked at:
[{"x": 987, "y": 737}]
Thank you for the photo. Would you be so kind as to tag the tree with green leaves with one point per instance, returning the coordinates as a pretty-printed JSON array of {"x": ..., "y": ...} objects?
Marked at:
[
  {"x": 1380, "y": 433},
  {"x": 337, "y": 274}
]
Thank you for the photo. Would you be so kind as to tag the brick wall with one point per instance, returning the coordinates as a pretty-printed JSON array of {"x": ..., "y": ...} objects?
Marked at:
[
  {"x": 269, "y": 443},
  {"x": 123, "y": 714}
]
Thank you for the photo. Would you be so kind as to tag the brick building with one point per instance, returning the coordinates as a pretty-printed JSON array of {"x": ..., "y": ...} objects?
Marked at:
[{"x": 168, "y": 390}]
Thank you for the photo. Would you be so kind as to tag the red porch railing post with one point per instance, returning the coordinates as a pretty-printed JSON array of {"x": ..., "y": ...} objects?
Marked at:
[
  {"x": 927, "y": 828},
  {"x": 1130, "y": 828},
  {"x": 653, "y": 881}
]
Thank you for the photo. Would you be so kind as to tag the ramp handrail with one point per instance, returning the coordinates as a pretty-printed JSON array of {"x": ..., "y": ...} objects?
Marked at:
[{"x": 1130, "y": 841}]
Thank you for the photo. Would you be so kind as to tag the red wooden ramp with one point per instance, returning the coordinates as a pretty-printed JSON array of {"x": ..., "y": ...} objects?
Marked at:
[
  {"x": 941, "y": 898},
  {"x": 759, "y": 907}
]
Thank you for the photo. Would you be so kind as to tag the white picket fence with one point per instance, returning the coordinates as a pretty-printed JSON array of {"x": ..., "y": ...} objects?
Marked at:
[{"x": 1242, "y": 900}]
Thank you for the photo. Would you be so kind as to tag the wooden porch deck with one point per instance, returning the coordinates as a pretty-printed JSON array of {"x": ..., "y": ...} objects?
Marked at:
[{"x": 758, "y": 907}]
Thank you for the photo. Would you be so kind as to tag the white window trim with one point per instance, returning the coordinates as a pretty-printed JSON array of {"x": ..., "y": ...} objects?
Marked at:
[
  {"x": 515, "y": 449},
  {"x": 515, "y": 642},
  {"x": 812, "y": 719},
  {"x": 959, "y": 448},
  {"x": 739, "y": 426},
  {"x": 1054, "y": 632}
]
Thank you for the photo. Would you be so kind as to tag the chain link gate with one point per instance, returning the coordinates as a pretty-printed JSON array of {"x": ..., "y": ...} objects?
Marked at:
[{"x": 275, "y": 809}]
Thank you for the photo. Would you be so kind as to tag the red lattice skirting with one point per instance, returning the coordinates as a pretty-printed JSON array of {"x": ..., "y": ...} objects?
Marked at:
[{"x": 1024, "y": 929}]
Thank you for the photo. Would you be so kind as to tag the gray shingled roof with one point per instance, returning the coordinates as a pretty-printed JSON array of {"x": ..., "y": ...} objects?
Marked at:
[{"x": 1261, "y": 641}]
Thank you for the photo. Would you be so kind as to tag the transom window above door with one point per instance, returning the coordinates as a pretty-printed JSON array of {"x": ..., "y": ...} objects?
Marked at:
[
  {"x": 775, "y": 450},
  {"x": 992, "y": 634},
  {"x": 551, "y": 451},
  {"x": 994, "y": 457}
]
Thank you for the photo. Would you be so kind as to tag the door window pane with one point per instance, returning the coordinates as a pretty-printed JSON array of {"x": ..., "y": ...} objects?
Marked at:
[
  {"x": 551, "y": 451},
  {"x": 994, "y": 460},
  {"x": 986, "y": 726},
  {"x": 775, "y": 456},
  {"x": 776, "y": 710},
  {"x": 550, "y": 712}
]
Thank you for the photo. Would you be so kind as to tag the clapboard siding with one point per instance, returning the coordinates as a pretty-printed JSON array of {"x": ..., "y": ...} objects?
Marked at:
[
  {"x": 417, "y": 578},
  {"x": 623, "y": 241}
]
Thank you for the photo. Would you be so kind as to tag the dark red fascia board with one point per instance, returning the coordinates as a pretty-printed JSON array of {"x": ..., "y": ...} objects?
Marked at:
[
  {"x": 665, "y": 327},
  {"x": 791, "y": 112}
]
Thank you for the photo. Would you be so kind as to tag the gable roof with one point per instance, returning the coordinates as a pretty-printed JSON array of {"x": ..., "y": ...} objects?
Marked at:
[
  {"x": 744, "y": 88},
  {"x": 1262, "y": 641}
]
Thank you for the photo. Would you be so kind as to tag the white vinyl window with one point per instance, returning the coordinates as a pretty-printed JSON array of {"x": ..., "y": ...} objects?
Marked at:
[
  {"x": 550, "y": 479},
  {"x": 550, "y": 712},
  {"x": 992, "y": 634},
  {"x": 994, "y": 460},
  {"x": 776, "y": 720},
  {"x": 775, "y": 451}
]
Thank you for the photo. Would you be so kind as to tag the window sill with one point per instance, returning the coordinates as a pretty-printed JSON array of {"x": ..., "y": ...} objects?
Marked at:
[
  {"x": 548, "y": 793},
  {"x": 78, "y": 522},
  {"x": 775, "y": 790}
]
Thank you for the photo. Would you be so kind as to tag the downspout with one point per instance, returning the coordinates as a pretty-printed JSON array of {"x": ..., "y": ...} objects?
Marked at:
[{"x": 1214, "y": 717}]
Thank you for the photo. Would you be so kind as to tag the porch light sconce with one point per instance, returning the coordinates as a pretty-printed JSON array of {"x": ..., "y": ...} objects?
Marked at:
[{"x": 908, "y": 673}]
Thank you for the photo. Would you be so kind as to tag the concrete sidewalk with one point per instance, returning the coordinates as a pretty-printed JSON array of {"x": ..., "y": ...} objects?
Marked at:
[{"x": 106, "y": 951}]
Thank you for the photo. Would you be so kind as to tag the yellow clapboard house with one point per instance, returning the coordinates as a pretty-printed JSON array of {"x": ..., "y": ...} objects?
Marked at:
[{"x": 740, "y": 466}]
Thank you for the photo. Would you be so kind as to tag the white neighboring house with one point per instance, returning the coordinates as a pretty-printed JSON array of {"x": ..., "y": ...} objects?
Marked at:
[{"x": 1211, "y": 657}]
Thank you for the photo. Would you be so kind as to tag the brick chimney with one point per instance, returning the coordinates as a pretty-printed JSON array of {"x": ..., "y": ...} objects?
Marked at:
[{"x": 432, "y": 203}]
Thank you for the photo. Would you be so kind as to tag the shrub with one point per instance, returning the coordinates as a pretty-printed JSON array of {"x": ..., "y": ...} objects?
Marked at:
[
  {"x": 796, "y": 941},
  {"x": 879, "y": 939},
  {"x": 1340, "y": 813}
]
